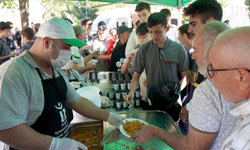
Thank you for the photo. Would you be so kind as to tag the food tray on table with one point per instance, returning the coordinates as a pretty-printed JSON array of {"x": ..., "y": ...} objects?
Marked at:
[
  {"x": 118, "y": 141},
  {"x": 88, "y": 133}
]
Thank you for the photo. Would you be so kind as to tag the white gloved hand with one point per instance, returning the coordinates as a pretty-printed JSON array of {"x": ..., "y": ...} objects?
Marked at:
[
  {"x": 115, "y": 119},
  {"x": 66, "y": 144},
  {"x": 75, "y": 85}
]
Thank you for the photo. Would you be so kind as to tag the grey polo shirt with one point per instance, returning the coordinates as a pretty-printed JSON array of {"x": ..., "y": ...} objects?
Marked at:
[
  {"x": 161, "y": 64},
  {"x": 21, "y": 90},
  {"x": 4, "y": 50}
]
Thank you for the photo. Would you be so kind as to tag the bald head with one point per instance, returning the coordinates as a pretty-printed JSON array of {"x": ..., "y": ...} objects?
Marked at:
[
  {"x": 233, "y": 47},
  {"x": 231, "y": 51}
]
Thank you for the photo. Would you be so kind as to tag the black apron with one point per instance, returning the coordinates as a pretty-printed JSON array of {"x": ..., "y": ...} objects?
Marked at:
[{"x": 53, "y": 120}]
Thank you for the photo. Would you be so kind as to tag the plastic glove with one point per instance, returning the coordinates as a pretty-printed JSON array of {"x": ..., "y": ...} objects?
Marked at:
[
  {"x": 115, "y": 119},
  {"x": 66, "y": 143},
  {"x": 75, "y": 85}
]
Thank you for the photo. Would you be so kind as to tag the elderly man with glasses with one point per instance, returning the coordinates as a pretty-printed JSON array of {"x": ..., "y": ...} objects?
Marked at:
[
  {"x": 229, "y": 70},
  {"x": 209, "y": 118}
]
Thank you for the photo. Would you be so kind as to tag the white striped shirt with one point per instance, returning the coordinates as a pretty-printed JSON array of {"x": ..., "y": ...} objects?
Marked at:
[{"x": 240, "y": 138}]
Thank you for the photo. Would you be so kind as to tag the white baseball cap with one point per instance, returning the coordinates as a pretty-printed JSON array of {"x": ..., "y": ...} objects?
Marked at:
[{"x": 57, "y": 28}]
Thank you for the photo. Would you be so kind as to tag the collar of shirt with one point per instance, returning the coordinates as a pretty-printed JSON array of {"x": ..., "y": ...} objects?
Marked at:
[
  {"x": 242, "y": 110},
  {"x": 26, "y": 55},
  {"x": 2, "y": 40},
  {"x": 165, "y": 45}
]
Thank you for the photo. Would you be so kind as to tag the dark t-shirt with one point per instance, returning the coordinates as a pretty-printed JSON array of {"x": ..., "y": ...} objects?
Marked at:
[
  {"x": 4, "y": 50},
  {"x": 17, "y": 37},
  {"x": 161, "y": 64},
  {"x": 10, "y": 41},
  {"x": 117, "y": 53},
  {"x": 27, "y": 46}
]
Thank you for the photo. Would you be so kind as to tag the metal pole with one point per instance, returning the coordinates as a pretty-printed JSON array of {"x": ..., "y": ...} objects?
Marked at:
[
  {"x": 179, "y": 13},
  {"x": 86, "y": 8}
]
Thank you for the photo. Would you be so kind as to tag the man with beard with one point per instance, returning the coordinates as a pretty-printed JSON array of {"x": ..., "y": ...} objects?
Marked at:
[
  {"x": 34, "y": 96},
  {"x": 209, "y": 119},
  {"x": 199, "y": 13}
]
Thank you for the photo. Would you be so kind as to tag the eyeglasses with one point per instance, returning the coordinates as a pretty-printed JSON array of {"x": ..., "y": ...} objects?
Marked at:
[{"x": 210, "y": 70}]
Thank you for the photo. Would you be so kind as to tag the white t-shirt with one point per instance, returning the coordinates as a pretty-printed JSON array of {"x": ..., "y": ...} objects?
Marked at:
[
  {"x": 131, "y": 44},
  {"x": 173, "y": 33},
  {"x": 210, "y": 113}
]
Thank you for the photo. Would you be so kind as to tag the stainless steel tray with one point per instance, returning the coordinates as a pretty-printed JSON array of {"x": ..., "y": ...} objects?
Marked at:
[
  {"x": 84, "y": 127},
  {"x": 117, "y": 141}
]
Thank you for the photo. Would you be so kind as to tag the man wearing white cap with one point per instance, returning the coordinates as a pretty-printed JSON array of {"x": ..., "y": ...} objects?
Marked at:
[{"x": 34, "y": 91}]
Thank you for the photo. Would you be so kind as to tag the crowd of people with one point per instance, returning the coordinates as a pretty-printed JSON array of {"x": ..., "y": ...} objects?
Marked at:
[{"x": 203, "y": 61}]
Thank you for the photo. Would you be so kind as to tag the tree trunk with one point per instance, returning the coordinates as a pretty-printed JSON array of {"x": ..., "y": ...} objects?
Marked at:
[{"x": 24, "y": 12}]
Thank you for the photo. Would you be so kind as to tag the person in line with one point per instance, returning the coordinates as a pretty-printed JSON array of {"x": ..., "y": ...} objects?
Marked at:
[
  {"x": 36, "y": 27},
  {"x": 34, "y": 96},
  {"x": 229, "y": 70},
  {"x": 87, "y": 25},
  {"x": 27, "y": 35},
  {"x": 5, "y": 53},
  {"x": 112, "y": 43},
  {"x": 143, "y": 37},
  {"x": 10, "y": 39},
  {"x": 80, "y": 62},
  {"x": 172, "y": 32},
  {"x": 169, "y": 57},
  {"x": 143, "y": 11},
  {"x": 118, "y": 52},
  {"x": 134, "y": 19},
  {"x": 17, "y": 40},
  {"x": 100, "y": 44},
  {"x": 199, "y": 13},
  {"x": 74, "y": 77},
  {"x": 76, "y": 82},
  {"x": 210, "y": 122},
  {"x": 186, "y": 40}
]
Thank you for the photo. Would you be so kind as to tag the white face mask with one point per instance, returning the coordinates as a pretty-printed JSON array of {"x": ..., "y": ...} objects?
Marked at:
[
  {"x": 62, "y": 59},
  {"x": 68, "y": 65}
]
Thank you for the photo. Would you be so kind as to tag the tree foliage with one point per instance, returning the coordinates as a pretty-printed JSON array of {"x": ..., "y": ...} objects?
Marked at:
[
  {"x": 79, "y": 13},
  {"x": 247, "y": 2},
  {"x": 9, "y": 5},
  {"x": 52, "y": 9}
]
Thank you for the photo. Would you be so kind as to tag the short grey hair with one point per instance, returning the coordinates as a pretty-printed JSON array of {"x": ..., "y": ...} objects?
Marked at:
[
  {"x": 78, "y": 30},
  {"x": 211, "y": 30}
]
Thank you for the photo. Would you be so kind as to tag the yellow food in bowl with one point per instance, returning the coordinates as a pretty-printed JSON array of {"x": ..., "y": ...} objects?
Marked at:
[{"x": 131, "y": 127}]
